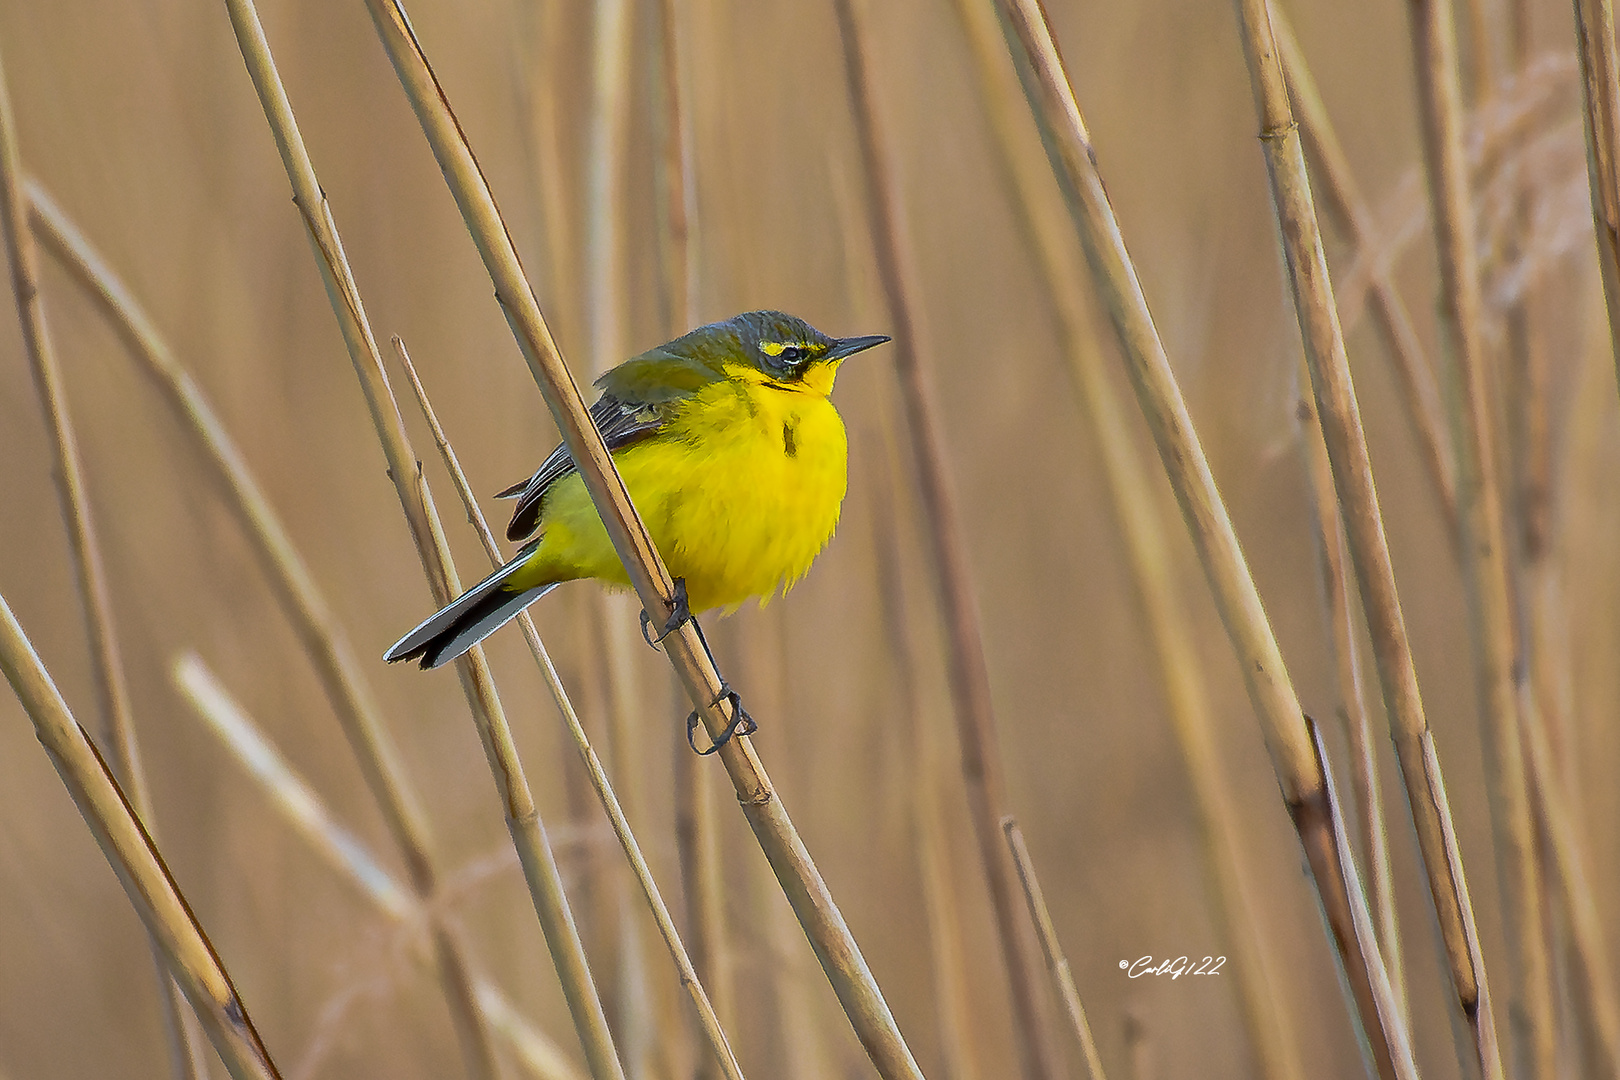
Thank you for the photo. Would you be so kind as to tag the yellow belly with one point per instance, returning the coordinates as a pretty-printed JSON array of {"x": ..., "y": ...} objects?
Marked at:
[{"x": 740, "y": 492}]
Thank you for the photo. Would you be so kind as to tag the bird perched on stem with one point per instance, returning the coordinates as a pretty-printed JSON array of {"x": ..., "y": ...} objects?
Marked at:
[{"x": 732, "y": 454}]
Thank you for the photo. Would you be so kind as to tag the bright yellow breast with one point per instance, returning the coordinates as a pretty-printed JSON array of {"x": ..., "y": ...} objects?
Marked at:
[{"x": 740, "y": 490}]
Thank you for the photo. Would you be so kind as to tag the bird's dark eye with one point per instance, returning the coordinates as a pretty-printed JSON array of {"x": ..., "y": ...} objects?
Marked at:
[{"x": 792, "y": 354}]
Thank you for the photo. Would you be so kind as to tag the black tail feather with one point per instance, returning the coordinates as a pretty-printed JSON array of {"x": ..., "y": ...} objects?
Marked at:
[{"x": 469, "y": 619}]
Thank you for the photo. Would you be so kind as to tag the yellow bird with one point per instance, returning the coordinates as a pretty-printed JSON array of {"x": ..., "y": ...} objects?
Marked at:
[{"x": 732, "y": 454}]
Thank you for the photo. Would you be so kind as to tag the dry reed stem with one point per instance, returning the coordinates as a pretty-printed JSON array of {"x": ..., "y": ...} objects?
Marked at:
[
  {"x": 982, "y": 767},
  {"x": 1299, "y": 769},
  {"x": 135, "y": 859},
  {"x": 1136, "y": 509},
  {"x": 1057, "y": 964},
  {"x": 1420, "y": 391},
  {"x": 708, "y": 1022},
  {"x": 1484, "y": 542},
  {"x": 517, "y": 802},
  {"x": 1337, "y": 583},
  {"x": 317, "y": 628},
  {"x": 1600, "y": 94},
  {"x": 112, "y": 689},
  {"x": 313, "y": 821},
  {"x": 812, "y": 902},
  {"x": 1346, "y": 443}
]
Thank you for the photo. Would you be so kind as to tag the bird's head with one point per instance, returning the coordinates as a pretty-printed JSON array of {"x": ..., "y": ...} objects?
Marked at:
[{"x": 777, "y": 348}]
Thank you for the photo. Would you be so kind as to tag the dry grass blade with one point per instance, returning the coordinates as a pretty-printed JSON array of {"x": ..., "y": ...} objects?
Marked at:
[
  {"x": 517, "y": 802},
  {"x": 1057, "y": 965},
  {"x": 708, "y": 1021},
  {"x": 1484, "y": 541},
  {"x": 129, "y": 849},
  {"x": 1136, "y": 507},
  {"x": 1339, "y": 419},
  {"x": 112, "y": 688},
  {"x": 982, "y": 768},
  {"x": 812, "y": 902},
  {"x": 1345, "y": 202},
  {"x": 1600, "y": 92},
  {"x": 345, "y": 852},
  {"x": 1288, "y": 738},
  {"x": 323, "y": 639}
]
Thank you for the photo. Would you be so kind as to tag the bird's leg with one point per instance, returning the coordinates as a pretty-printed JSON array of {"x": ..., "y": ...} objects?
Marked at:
[
  {"x": 741, "y": 722},
  {"x": 679, "y": 615}
]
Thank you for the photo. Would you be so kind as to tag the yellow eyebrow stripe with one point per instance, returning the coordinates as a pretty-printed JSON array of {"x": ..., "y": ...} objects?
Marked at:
[{"x": 777, "y": 348}]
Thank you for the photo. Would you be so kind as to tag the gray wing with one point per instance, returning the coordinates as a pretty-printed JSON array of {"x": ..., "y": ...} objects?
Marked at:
[{"x": 621, "y": 423}]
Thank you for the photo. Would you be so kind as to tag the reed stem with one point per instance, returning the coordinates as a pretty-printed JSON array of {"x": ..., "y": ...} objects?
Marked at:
[{"x": 1600, "y": 95}]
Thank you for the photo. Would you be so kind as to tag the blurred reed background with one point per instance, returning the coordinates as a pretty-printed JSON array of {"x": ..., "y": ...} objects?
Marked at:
[{"x": 141, "y": 123}]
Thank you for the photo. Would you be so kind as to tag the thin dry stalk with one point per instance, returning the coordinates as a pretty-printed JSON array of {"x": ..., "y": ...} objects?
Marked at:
[
  {"x": 1057, "y": 964},
  {"x": 317, "y": 628},
  {"x": 708, "y": 1021},
  {"x": 812, "y": 902},
  {"x": 1484, "y": 542},
  {"x": 1420, "y": 392},
  {"x": 112, "y": 689},
  {"x": 982, "y": 768},
  {"x": 517, "y": 802},
  {"x": 1340, "y": 424},
  {"x": 1136, "y": 508},
  {"x": 312, "y": 819},
  {"x": 1600, "y": 93},
  {"x": 1287, "y": 733},
  {"x": 129, "y": 849}
]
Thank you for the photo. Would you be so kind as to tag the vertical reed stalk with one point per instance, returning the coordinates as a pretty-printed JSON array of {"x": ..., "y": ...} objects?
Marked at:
[
  {"x": 317, "y": 628},
  {"x": 982, "y": 766},
  {"x": 812, "y": 902},
  {"x": 1600, "y": 93},
  {"x": 1287, "y": 733},
  {"x": 112, "y": 690},
  {"x": 1346, "y": 443},
  {"x": 1484, "y": 541},
  {"x": 1153, "y": 573},
  {"x": 313, "y": 821},
  {"x": 1057, "y": 965},
  {"x": 708, "y": 1022},
  {"x": 522, "y": 817},
  {"x": 134, "y": 858}
]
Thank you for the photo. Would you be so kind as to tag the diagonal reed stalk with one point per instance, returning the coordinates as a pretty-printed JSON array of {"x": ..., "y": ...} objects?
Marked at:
[
  {"x": 982, "y": 767},
  {"x": 134, "y": 858},
  {"x": 517, "y": 802},
  {"x": 1136, "y": 508},
  {"x": 1484, "y": 542},
  {"x": 312, "y": 619},
  {"x": 1339, "y": 418},
  {"x": 1057, "y": 965},
  {"x": 1287, "y": 732},
  {"x": 312, "y": 820},
  {"x": 112, "y": 689},
  {"x": 1600, "y": 94},
  {"x": 1347, "y": 206},
  {"x": 812, "y": 902},
  {"x": 708, "y": 1022}
]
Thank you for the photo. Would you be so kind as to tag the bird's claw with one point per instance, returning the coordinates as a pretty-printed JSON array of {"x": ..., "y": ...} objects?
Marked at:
[
  {"x": 741, "y": 722},
  {"x": 679, "y": 615}
]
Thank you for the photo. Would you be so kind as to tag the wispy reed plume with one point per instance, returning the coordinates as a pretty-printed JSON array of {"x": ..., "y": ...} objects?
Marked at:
[
  {"x": 517, "y": 802},
  {"x": 840, "y": 957},
  {"x": 317, "y": 628},
  {"x": 982, "y": 768},
  {"x": 1136, "y": 501},
  {"x": 315, "y": 824},
  {"x": 1491, "y": 616},
  {"x": 1600, "y": 94},
  {"x": 1288, "y": 733},
  {"x": 112, "y": 687},
  {"x": 708, "y": 1022},
  {"x": 129, "y": 850}
]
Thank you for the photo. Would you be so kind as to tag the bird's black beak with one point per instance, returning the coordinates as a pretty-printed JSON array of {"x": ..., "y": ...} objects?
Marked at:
[{"x": 851, "y": 345}]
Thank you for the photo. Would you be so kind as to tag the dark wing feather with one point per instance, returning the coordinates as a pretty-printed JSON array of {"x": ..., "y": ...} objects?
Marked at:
[{"x": 621, "y": 423}]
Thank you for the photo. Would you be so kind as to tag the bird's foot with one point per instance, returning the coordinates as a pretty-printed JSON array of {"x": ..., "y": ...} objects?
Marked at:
[
  {"x": 679, "y": 615},
  {"x": 741, "y": 722}
]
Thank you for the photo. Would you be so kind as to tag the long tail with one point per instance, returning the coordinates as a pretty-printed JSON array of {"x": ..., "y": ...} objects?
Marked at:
[{"x": 469, "y": 619}]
